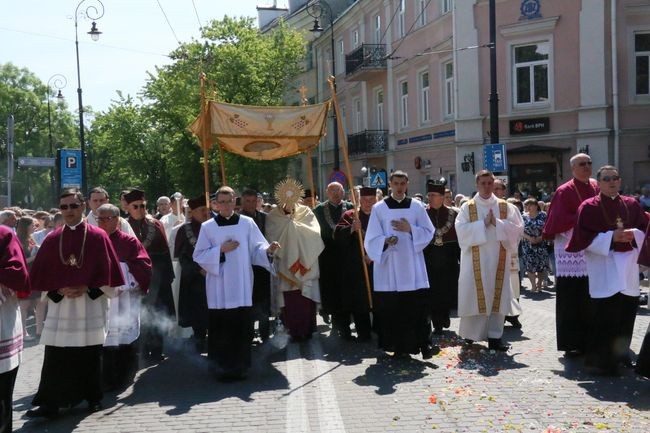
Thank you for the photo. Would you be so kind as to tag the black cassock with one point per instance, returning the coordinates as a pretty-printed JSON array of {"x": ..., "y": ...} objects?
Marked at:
[
  {"x": 354, "y": 293},
  {"x": 192, "y": 300},
  {"x": 442, "y": 259}
]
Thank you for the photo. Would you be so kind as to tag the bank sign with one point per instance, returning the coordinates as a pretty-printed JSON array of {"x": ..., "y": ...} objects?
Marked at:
[
  {"x": 70, "y": 164},
  {"x": 530, "y": 126}
]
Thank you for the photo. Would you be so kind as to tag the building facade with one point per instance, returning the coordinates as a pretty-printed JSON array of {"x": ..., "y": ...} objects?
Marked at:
[{"x": 413, "y": 82}]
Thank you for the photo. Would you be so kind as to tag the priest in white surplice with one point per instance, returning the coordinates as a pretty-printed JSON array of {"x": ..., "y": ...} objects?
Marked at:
[
  {"x": 398, "y": 231},
  {"x": 488, "y": 232},
  {"x": 227, "y": 248}
]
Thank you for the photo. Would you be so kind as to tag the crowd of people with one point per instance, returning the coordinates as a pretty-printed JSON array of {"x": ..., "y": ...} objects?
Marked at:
[{"x": 108, "y": 284}]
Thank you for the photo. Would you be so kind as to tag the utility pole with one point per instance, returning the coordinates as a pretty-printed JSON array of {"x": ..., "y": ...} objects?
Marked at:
[{"x": 494, "y": 96}]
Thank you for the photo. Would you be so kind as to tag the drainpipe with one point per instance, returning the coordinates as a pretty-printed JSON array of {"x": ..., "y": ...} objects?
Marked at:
[{"x": 615, "y": 83}]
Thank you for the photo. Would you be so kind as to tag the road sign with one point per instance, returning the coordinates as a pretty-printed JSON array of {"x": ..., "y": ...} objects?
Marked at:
[
  {"x": 338, "y": 176},
  {"x": 36, "y": 161},
  {"x": 378, "y": 180},
  {"x": 494, "y": 157},
  {"x": 70, "y": 168}
]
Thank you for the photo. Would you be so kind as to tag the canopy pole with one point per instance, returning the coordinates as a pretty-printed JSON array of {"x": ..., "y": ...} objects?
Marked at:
[
  {"x": 343, "y": 141},
  {"x": 223, "y": 166},
  {"x": 205, "y": 138},
  {"x": 310, "y": 170}
]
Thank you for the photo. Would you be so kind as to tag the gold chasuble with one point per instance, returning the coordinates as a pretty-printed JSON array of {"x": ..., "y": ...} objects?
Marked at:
[{"x": 476, "y": 262}]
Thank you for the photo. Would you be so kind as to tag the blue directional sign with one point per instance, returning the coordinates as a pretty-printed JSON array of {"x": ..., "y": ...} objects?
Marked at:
[
  {"x": 494, "y": 157},
  {"x": 378, "y": 180},
  {"x": 70, "y": 163}
]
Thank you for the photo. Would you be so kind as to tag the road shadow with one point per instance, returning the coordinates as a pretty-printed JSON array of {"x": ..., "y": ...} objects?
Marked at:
[
  {"x": 388, "y": 372},
  {"x": 183, "y": 380},
  {"x": 538, "y": 296}
]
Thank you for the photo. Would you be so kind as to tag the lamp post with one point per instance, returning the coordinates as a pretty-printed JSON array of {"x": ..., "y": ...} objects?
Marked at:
[
  {"x": 94, "y": 11},
  {"x": 316, "y": 9},
  {"x": 494, "y": 95},
  {"x": 59, "y": 82}
]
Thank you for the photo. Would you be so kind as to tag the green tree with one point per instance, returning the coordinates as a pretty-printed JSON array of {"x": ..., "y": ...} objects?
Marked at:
[{"x": 25, "y": 97}]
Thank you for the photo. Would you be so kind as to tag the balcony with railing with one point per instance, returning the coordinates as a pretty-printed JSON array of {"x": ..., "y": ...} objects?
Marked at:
[
  {"x": 365, "y": 61},
  {"x": 368, "y": 142}
]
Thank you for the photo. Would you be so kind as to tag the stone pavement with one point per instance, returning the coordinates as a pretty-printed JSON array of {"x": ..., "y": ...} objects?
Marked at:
[{"x": 326, "y": 385}]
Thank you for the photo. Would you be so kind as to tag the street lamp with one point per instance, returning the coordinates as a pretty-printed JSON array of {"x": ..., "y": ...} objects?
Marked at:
[
  {"x": 316, "y": 9},
  {"x": 59, "y": 82},
  {"x": 94, "y": 11}
]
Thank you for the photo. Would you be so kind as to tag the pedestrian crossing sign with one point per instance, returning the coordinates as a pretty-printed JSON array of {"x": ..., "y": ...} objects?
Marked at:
[{"x": 378, "y": 180}]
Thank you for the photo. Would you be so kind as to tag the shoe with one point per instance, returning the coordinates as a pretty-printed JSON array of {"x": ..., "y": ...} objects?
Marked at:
[
  {"x": 498, "y": 345},
  {"x": 643, "y": 300},
  {"x": 514, "y": 321},
  {"x": 469, "y": 341},
  {"x": 94, "y": 406},
  {"x": 43, "y": 412},
  {"x": 363, "y": 337},
  {"x": 575, "y": 353},
  {"x": 429, "y": 351},
  {"x": 437, "y": 330}
]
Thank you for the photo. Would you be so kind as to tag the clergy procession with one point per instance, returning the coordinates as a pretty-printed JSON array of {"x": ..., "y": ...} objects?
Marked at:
[{"x": 108, "y": 289}]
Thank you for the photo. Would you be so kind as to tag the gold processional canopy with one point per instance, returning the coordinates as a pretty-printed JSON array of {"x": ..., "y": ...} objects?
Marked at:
[{"x": 262, "y": 133}]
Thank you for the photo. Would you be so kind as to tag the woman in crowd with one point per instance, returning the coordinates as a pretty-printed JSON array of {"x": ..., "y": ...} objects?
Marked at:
[
  {"x": 24, "y": 231},
  {"x": 534, "y": 252}
]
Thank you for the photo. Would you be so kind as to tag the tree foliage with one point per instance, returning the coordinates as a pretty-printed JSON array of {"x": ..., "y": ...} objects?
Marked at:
[
  {"x": 25, "y": 97},
  {"x": 148, "y": 144}
]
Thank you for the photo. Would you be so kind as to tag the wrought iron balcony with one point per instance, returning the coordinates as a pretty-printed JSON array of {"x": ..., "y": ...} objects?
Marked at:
[
  {"x": 368, "y": 58},
  {"x": 368, "y": 141}
]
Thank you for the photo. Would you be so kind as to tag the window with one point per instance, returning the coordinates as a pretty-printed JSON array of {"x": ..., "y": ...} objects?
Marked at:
[
  {"x": 450, "y": 106},
  {"x": 341, "y": 58},
  {"x": 378, "y": 29},
  {"x": 531, "y": 74},
  {"x": 445, "y": 6},
  {"x": 400, "y": 18},
  {"x": 355, "y": 38},
  {"x": 422, "y": 11},
  {"x": 404, "y": 103},
  {"x": 642, "y": 56},
  {"x": 358, "y": 123},
  {"x": 425, "y": 115},
  {"x": 379, "y": 111}
]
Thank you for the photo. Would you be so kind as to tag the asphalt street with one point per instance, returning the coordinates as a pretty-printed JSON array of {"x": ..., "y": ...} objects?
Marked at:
[{"x": 326, "y": 385}]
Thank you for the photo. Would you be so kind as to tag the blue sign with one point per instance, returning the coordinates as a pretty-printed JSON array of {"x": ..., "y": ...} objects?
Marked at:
[
  {"x": 70, "y": 163},
  {"x": 402, "y": 141},
  {"x": 448, "y": 133},
  {"x": 338, "y": 176},
  {"x": 378, "y": 180},
  {"x": 530, "y": 9},
  {"x": 494, "y": 157},
  {"x": 419, "y": 138}
]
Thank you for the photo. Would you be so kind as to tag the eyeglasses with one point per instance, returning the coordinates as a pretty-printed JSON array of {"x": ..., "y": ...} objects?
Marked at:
[
  {"x": 71, "y": 206},
  {"x": 105, "y": 219},
  {"x": 610, "y": 178},
  {"x": 584, "y": 163},
  {"x": 138, "y": 206}
]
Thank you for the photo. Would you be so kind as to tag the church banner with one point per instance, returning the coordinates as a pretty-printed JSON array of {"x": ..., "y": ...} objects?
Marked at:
[{"x": 262, "y": 133}]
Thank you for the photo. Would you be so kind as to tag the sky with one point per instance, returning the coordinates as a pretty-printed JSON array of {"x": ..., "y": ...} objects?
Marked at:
[{"x": 39, "y": 35}]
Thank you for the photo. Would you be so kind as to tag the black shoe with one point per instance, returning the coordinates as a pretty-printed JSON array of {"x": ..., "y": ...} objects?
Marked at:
[
  {"x": 43, "y": 412},
  {"x": 94, "y": 406},
  {"x": 363, "y": 337},
  {"x": 401, "y": 355},
  {"x": 575, "y": 353},
  {"x": 468, "y": 342},
  {"x": 497, "y": 344},
  {"x": 514, "y": 321},
  {"x": 430, "y": 351},
  {"x": 437, "y": 330}
]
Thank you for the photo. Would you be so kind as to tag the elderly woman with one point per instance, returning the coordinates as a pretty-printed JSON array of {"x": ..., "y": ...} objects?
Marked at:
[{"x": 534, "y": 252}]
